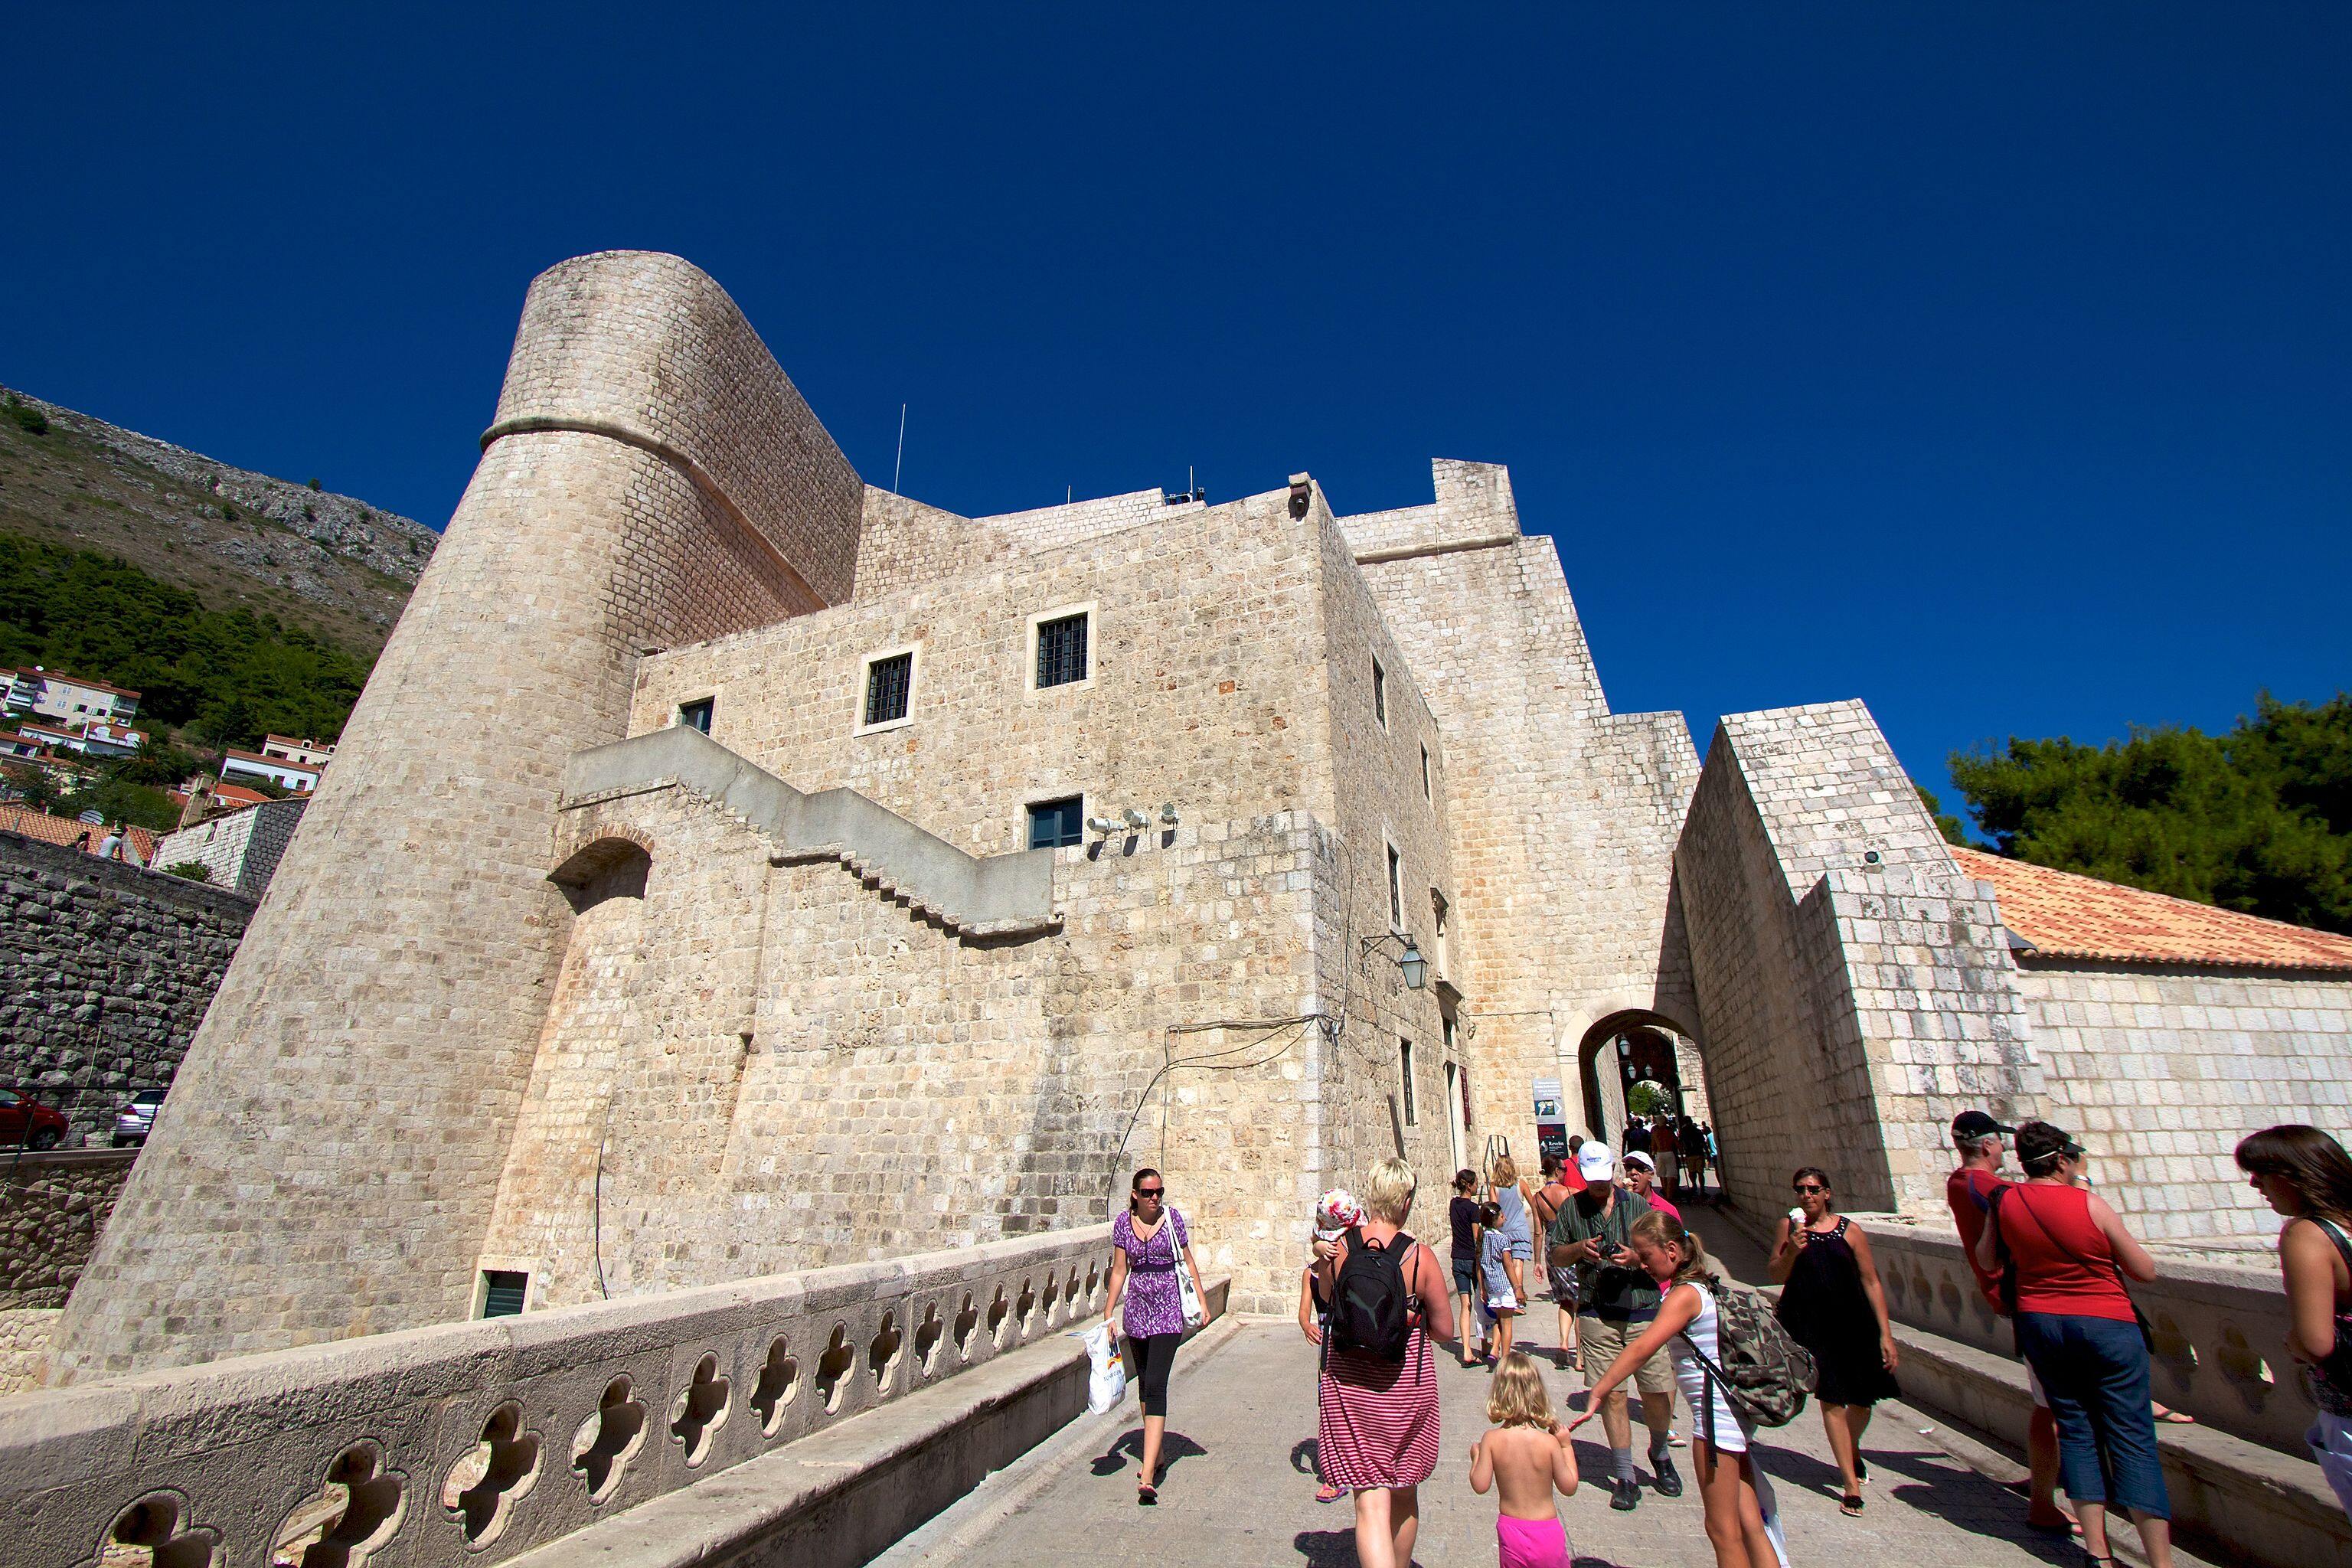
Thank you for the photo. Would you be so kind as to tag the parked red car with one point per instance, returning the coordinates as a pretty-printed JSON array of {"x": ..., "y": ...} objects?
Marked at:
[{"x": 25, "y": 1121}]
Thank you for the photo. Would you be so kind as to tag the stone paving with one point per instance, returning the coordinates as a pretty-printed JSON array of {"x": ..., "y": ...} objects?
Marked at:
[{"x": 1238, "y": 1488}]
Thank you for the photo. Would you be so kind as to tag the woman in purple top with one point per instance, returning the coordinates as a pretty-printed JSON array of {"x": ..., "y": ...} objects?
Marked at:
[{"x": 1148, "y": 1242}]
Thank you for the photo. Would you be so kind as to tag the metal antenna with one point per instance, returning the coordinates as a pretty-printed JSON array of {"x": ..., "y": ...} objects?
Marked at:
[{"x": 901, "y": 460}]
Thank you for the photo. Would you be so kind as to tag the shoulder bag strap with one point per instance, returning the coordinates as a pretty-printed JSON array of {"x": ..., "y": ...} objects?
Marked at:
[
  {"x": 2146, "y": 1331},
  {"x": 2335, "y": 1234}
]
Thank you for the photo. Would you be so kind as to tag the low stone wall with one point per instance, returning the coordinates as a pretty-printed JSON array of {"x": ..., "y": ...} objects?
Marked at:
[
  {"x": 105, "y": 972},
  {"x": 25, "y": 1333},
  {"x": 2220, "y": 1330},
  {"x": 52, "y": 1206},
  {"x": 469, "y": 1443}
]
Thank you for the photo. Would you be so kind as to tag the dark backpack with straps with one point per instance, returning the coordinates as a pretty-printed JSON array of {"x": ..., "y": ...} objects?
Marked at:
[{"x": 1369, "y": 1301}]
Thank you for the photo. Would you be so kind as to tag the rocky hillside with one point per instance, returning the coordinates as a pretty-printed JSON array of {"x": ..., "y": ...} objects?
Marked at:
[{"x": 312, "y": 558}]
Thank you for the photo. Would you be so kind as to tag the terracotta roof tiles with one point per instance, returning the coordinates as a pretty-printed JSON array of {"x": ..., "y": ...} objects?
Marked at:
[{"x": 2069, "y": 915}]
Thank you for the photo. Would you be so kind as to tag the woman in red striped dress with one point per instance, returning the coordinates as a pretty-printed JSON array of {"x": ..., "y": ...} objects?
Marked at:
[{"x": 1377, "y": 1431}]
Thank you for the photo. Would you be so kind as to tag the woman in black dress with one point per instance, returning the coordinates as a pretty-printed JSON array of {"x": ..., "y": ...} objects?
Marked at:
[{"x": 1833, "y": 1304}]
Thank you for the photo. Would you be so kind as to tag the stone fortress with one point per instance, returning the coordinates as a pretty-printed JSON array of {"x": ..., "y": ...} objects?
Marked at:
[{"x": 733, "y": 867}]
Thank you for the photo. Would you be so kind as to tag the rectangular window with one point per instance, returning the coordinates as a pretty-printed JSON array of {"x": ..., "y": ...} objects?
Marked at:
[
  {"x": 502, "y": 1292},
  {"x": 1404, "y": 1067},
  {"x": 1379, "y": 694},
  {"x": 887, "y": 683},
  {"x": 1396, "y": 888},
  {"x": 696, "y": 715},
  {"x": 1424, "y": 774},
  {"x": 1061, "y": 651},
  {"x": 1056, "y": 824},
  {"x": 1444, "y": 970}
]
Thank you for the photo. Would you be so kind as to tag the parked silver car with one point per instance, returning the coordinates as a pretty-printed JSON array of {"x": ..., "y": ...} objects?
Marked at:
[{"x": 137, "y": 1115}]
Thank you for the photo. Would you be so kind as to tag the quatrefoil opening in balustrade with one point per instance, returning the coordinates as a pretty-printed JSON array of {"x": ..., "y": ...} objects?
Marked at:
[
  {"x": 882, "y": 1355},
  {"x": 482, "y": 1488},
  {"x": 608, "y": 1440},
  {"x": 356, "y": 1511},
  {"x": 699, "y": 1410},
  {"x": 1000, "y": 1318},
  {"x": 967, "y": 1324},
  {"x": 833, "y": 1368},
  {"x": 1025, "y": 1308},
  {"x": 780, "y": 1379},
  {"x": 1053, "y": 1294},
  {"x": 153, "y": 1532},
  {"x": 928, "y": 1335},
  {"x": 1070, "y": 1296}
]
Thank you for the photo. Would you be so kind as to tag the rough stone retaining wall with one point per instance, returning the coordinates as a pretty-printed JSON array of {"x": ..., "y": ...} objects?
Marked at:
[
  {"x": 52, "y": 1207},
  {"x": 105, "y": 972}
]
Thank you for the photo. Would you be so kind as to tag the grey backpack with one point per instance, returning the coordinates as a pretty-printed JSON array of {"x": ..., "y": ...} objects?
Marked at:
[{"x": 1765, "y": 1373}]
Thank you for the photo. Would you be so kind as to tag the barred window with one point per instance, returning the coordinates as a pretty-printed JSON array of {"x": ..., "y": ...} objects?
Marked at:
[
  {"x": 888, "y": 682},
  {"x": 1061, "y": 651},
  {"x": 696, "y": 715},
  {"x": 1055, "y": 823},
  {"x": 1379, "y": 694},
  {"x": 1404, "y": 1070},
  {"x": 1396, "y": 889}
]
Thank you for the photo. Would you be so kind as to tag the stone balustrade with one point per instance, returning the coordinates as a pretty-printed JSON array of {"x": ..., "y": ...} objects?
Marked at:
[
  {"x": 2220, "y": 1328},
  {"x": 470, "y": 1442}
]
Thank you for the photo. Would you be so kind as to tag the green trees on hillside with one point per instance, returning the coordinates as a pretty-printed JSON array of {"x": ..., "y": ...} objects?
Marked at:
[
  {"x": 2259, "y": 819},
  {"x": 229, "y": 677}
]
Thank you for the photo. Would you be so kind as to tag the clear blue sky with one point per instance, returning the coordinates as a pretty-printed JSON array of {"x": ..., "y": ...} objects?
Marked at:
[{"x": 1991, "y": 363}]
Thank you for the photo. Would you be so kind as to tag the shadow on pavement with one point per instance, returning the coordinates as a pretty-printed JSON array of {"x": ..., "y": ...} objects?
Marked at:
[
  {"x": 1938, "y": 1486},
  {"x": 1303, "y": 1455},
  {"x": 1326, "y": 1548},
  {"x": 1173, "y": 1446}
]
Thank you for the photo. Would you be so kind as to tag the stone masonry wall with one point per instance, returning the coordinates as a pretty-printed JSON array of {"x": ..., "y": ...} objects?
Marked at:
[
  {"x": 1050, "y": 527},
  {"x": 240, "y": 850},
  {"x": 1854, "y": 990},
  {"x": 361, "y": 1070},
  {"x": 2159, "y": 1070},
  {"x": 905, "y": 543},
  {"x": 52, "y": 1207},
  {"x": 105, "y": 972},
  {"x": 1563, "y": 815}
]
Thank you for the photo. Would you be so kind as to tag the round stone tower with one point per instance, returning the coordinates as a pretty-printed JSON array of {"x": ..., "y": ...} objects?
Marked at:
[{"x": 328, "y": 1160}]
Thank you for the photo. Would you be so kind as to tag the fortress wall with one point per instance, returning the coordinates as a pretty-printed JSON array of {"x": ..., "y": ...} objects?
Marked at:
[
  {"x": 648, "y": 349},
  {"x": 1377, "y": 770},
  {"x": 1877, "y": 995},
  {"x": 905, "y": 543},
  {"x": 1052, "y": 526},
  {"x": 329, "y": 1163},
  {"x": 105, "y": 973},
  {"x": 1562, "y": 815},
  {"x": 1473, "y": 506},
  {"x": 2160, "y": 1069},
  {"x": 1204, "y": 686}
]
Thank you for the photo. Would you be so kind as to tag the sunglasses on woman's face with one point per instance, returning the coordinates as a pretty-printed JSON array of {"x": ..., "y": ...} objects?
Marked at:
[
  {"x": 1148, "y": 1192},
  {"x": 1811, "y": 1187}
]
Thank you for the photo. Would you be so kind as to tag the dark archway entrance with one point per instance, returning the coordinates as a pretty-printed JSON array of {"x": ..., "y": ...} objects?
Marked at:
[{"x": 1638, "y": 1060}]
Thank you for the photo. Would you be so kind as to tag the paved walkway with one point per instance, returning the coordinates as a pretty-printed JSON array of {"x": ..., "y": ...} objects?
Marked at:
[{"x": 1238, "y": 1486}]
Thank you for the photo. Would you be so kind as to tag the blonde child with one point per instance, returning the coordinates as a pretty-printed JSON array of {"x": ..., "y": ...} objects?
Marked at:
[
  {"x": 1528, "y": 1457},
  {"x": 1335, "y": 1213},
  {"x": 1498, "y": 1303}
]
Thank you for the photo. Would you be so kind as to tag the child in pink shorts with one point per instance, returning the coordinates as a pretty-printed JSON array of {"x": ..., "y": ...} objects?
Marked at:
[{"x": 1527, "y": 1456}]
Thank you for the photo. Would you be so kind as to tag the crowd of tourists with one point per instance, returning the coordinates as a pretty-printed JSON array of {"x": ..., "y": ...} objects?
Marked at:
[{"x": 1645, "y": 1317}]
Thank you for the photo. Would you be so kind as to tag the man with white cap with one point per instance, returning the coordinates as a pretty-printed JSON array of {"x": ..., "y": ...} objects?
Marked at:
[{"x": 1614, "y": 1300}]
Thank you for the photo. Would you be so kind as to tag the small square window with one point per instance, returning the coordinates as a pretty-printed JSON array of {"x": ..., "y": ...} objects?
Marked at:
[
  {"x": 1396, "y": 888},
  {"x": 1379, "y": 694},
  {"x": 888, "y": 682},
  {"x": 1058, "y": 824},
  {"x": 1405, "y": 1070},
  {"x": 696, "y": 715},
  {"x": 1061, "y": 651},
  {"x": 503, "y": 1291}
]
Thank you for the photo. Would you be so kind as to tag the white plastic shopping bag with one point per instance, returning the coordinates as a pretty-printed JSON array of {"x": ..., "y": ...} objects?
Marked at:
[{"x": 1107, "y": 1383}]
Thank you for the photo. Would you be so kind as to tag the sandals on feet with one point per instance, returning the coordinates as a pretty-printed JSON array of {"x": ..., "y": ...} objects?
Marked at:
[
  {"x": 1849, "y": 1505},
  {"x": 1146, "y": 1496},
  {"x": 1326, "y": 1492}
]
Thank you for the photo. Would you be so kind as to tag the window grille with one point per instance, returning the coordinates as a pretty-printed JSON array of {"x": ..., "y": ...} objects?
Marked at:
[
  {"x": 1404, "y": 1067},
  {"x": 502, "y": 1292},
  {"x": 1061, "y": 651},
  {"x": 1379, "y": 694},
  {"x": 888, "y": 682},
  {"x": 1396, "y": 888},
  {"x": 1056, "y": 824},
  {"x": 1425, "y": 772},
  {"x": 696, "y": 715}
]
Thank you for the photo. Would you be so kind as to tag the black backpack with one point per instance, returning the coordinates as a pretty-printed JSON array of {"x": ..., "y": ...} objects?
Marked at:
[{"x": 1369, "y": 1299}]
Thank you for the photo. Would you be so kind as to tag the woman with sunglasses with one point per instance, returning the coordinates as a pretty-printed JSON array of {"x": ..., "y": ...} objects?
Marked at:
[
  {"x": 1149, "y": 1244},
  {"x": 2062, "y": 1257},
  {"x": 1834, "y": 1305},
  {"x": 2305, "y": 1175}
]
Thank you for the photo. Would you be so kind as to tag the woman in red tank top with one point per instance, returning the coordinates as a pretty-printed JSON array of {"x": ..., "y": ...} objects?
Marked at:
[{"x": 2063, "y": 1253}]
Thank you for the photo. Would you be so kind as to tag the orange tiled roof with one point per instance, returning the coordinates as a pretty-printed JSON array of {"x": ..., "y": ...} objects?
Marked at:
[
  {"x": 65, "y": 830},
  {"x": 2067, "y": 916}
]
